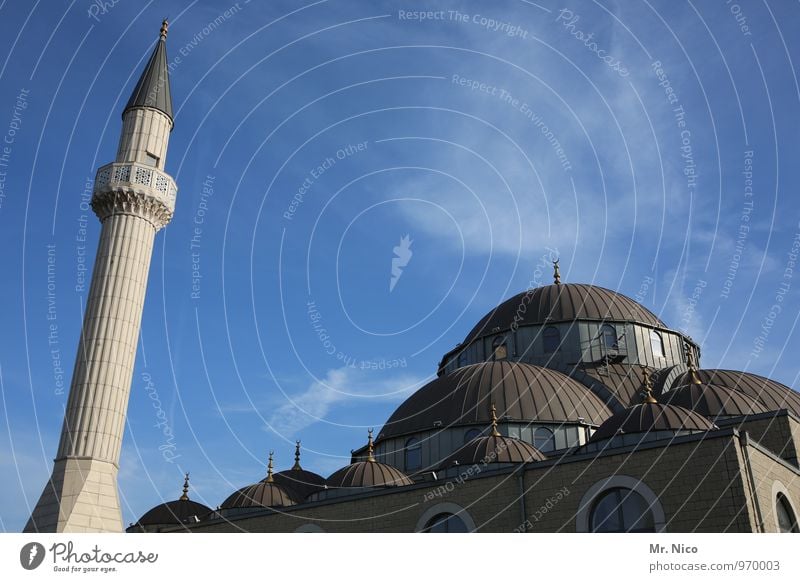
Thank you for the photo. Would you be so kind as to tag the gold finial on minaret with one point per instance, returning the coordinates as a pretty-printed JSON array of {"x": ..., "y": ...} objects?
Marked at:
[
  {"x": 556, "y": 273},
  {"x": 269, "y": 468},
  {"x": 647, "y": 388},
  {"x": 370, "y": 447},
  {"x": 297, "y": 466},
  {"x": 164, "y": 29},
  {"x": 493, "y": 414},
  {"x": 185, "y": 496}
]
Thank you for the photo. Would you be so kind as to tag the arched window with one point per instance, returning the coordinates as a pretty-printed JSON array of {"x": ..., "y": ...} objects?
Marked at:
[
  {"x": 656, "y": 344},
  {"x": 552, "y": 339},
  {"x": 787, "y": 523},
  {"x": 413, "y": 454},
  {"x": 543, "y": 439},
  {"x": 499, "y": 348},
  {"x": 445, "y": 523},
  {"x": 609, "y": 336},
  {"x": 471, "y": 434},
  {"x": 621, "y": 510}
]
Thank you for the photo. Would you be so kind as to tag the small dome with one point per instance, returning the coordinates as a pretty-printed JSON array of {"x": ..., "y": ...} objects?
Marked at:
[
  {"x": 369, "y": 473},
  {"x": 562, "y": 302},
  {"x": 651, "y": 417},
  {"x": 711, "y": 400},
  {"x": 773, "y": 395},
  {"x": 298, "y": 482},
  {"x": 494, "y": 449},
  {"x": 523, "y": 392},
  {"x": 182, "y": 510},
  {"x": 265, "y": 493}
]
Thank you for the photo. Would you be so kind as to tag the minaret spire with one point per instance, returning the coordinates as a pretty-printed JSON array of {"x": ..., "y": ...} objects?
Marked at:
[{"x": 134, "y": 198}]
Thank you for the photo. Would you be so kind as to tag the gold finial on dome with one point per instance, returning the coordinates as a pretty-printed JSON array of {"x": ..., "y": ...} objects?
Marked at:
[
  {"x": 556, "y": 273},
  {"x": 695, "y": 379},
  {"x": 164, "y": 29},
  {"x": 647, "y": 388},
  {"x": 493, "y": 414},
  {"x": 185, "y": 496},
  {"x": 269, "y": 468},
  {"x": 370, "y": 447},
  {"x": 297, "y": 466}
]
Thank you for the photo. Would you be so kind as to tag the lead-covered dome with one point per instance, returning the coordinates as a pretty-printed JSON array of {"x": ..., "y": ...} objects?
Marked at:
[
  {"x": 265, "y": 493},
  {"x": 494, "y": 449},
  {"x": 711, "y": 400},
  {"x": 651, "y": 417},
  {"x": 521, "y": 392},
  {"x": 298, "y": 482},
  {"x": 562, "y": 302},
  {"x": 172, "y": 513}
]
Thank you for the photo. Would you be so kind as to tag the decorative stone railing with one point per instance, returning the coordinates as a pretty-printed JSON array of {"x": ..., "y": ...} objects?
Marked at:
[{"x": 134, "y": 174}]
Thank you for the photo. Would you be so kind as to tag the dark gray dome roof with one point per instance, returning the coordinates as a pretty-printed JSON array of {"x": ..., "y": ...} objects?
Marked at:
[
  {"x": 562, "y": 302},
  {"x": 494, "y": 449},
  {"x": 368, "y": 474},
  {"x": 773, "y": 395},
  {"x": 173, "y": 513},
  {"x": 713, "y": 401},
  {"x": 651, "y": 417},
  {"x": 262, "y": 494},
  {"x": 299, "y": 483},
  {"x": 520, "y": 391}
]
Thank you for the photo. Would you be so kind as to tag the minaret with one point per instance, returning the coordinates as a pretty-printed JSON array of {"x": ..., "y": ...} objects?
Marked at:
[{"x": 133, "y": 198}]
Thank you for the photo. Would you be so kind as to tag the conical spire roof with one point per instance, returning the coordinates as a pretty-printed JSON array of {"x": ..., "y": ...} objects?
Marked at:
[{"x": 153, "y": 89}]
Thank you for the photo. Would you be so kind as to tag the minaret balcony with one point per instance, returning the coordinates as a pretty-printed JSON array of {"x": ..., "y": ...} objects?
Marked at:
[{"x": 138, "y": 177}]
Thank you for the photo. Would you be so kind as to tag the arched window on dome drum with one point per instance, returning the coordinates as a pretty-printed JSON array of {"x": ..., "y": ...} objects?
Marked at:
[
  {"x": 656, "y": 344},
  {"x": 621, "y": 510},
  {"x": 471, "y": 434},
  {"x": 608, "y": 333},
  {"x": 787, "y": 522},
  {"x": 499, "y": 348},
  {"x": 413, "y": 454},
  {"x": 552, "y": 339},
  {"x": 543, "y": 439},
  {"x": 445, "y": 523}
]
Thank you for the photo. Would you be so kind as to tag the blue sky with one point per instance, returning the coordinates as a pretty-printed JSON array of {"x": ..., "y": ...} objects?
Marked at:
[{"x": 652, "y": 145}]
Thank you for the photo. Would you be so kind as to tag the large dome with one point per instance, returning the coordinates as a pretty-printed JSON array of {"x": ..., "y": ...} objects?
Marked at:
[
  {"x": 523, "y": 392},
  {"x": 562, "y": 302}
]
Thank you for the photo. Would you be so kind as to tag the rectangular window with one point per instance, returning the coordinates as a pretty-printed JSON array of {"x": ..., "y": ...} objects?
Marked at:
[{"x": 151, "y": 160}]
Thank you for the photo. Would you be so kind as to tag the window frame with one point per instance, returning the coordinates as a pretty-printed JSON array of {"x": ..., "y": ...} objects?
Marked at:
[
  {"x": 547, "y": 336},
  {"x": 412, "y": 445}
]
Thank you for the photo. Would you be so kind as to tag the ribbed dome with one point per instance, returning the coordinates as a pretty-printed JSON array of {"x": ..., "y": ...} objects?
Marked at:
[
  {"x": 563, "y": 302},
  {"x": 651, "y": 417},
  {"x": 368, "y": 474},
  {"x": 713, "y": 401},
  {"x": 494, "y": 449},
  {"x": 773, "y": 395},
  {"x": 520, "y": 391},
  {"x": 262, "y": 494},
  {"x": 173, "y": 513},
  {"x": 300, "y": 483}
]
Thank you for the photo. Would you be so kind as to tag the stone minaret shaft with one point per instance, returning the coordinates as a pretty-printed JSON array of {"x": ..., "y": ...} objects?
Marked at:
[{"x": 133, "y": 198}]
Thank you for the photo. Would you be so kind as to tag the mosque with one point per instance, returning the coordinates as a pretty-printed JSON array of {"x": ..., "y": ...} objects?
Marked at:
[{"x": 567, "y": 408}]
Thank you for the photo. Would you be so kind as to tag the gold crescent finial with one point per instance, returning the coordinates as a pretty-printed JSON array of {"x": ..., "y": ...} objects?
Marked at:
[
  {"x": 493, "y": 414},
  {"x": 370, "y": 447},
  {"x": 647, "y": 388},
  {"x": 164, "y": 29},
  {"x": 297, "y": 466},
  {"x": 269, "y": 468},
  {"x": 694, "y": 378},
  {"x": 556, "y": 273},
  {"x": 185, "y": 496}
]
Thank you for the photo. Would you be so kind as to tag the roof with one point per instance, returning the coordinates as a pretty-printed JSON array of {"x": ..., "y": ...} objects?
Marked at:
[
  {"x": 494, "y": 449},
  {"x": 173, "y": 512},
  {"x": 713, "y": 401},
  {"x": 562, "y": 302},
  {"x": 773, "y": 395},
  {"x": 651, "y": 417},
  {"x": 299, "y": 483},
  {"x": 265, "y": 493},
  {"x": 153, "y": 88},
  {"x": 523, "y": 392},
  {"x": 368, "y": 474}
]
